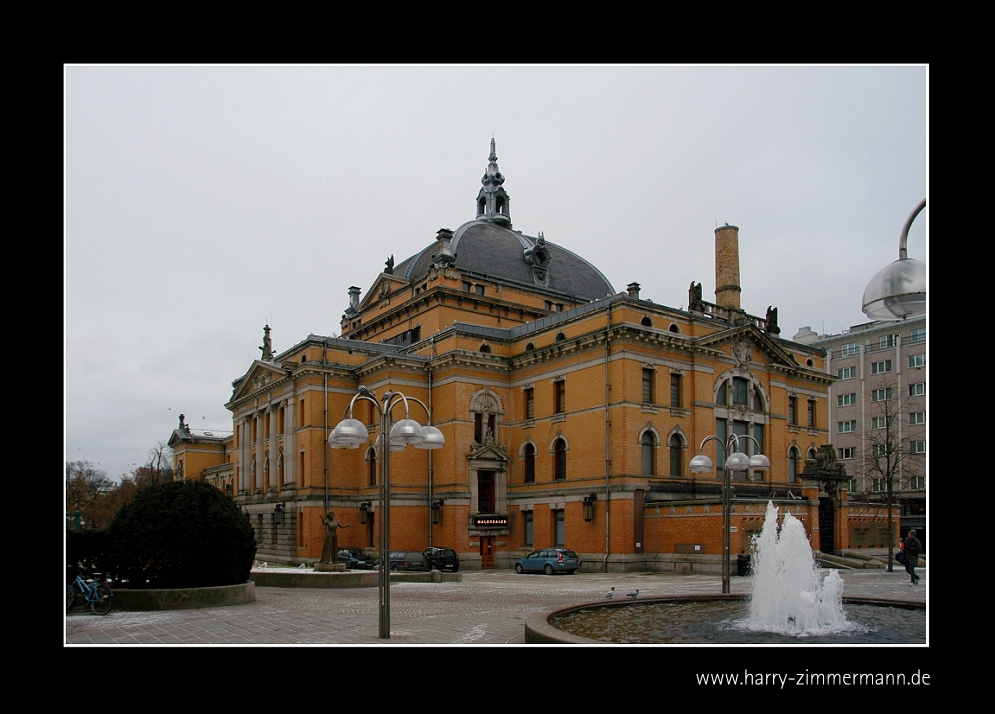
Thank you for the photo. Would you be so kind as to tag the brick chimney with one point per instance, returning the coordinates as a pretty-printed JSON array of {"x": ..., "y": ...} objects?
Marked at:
[{"x": 727, "y": 287}]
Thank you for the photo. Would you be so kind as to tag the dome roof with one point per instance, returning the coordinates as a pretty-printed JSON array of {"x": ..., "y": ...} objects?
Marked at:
[{"x": 502, "y": 254}]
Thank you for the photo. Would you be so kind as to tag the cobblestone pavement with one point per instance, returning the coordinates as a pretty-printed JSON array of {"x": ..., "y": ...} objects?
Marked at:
[{"x": 488, "y": 608}]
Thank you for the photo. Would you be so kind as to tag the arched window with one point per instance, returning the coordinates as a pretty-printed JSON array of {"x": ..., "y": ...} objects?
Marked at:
[
  {"x": 676, "y": 457},
  {"x": 792, "y": 465},
  {"x": 371, "y": 458},
  {"x": 484, "y": 347},
  {"x": 675, "y": 329},
  {"x": 646, "y": 322},
  {"x": 648, "y": 448},
  {"x": 530, "y": 463},
  {"x": 559, "y": 337},
  {"x": 559, "y": 460}
]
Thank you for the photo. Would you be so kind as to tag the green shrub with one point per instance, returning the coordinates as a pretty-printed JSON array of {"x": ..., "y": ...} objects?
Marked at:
[
  {"x": 181, "y": 534},
  {"x": 87, "y": 548}
]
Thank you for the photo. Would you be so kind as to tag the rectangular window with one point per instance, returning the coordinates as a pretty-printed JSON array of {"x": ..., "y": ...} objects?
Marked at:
[
  {"x": 880, "y": 450},
  {"x": 529, "y": 535},
  {"x": 917, "y": 483},
  {"x": 848, "y": 350},
  {"x": 846, "y": 400},
  {"x": 917, "y": 418},
  {"x": 881, "y": 367},
  {"x": 879, "y": 422},
  {"x": 878, "y": 484},
  {"x": 890, "y": 340},
  {"x": 280, "y": 421},
  {"x": 845, "y": 427},
  {"x": 647, "y": 386},
  {"x": 530, "y": 404},
  {"x": 846, "y": 373},
  {"x": 881, "y": 395},
  {"x": 300, "y": 414},
  {"x": 917, "y": 361},
  {"x": 811, "y": 413},
  {"x": 919, "y": 334},
  {"x": 675, "y": 390},
  {"x": 793, "y": 410},
  {"x": 739, "y": 390},
  {"x": 467, "y": 286},
  {"x": 917, "y": 447},
  {"x": 559, "y": 529},
  {"x": 917, "y": 390},
  {"x": 559, "y": 397},
  {"x": 847, "y": 452}
]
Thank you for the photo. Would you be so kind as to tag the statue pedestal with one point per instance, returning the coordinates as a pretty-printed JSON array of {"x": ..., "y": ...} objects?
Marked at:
[{"x": 329, "y": 567}]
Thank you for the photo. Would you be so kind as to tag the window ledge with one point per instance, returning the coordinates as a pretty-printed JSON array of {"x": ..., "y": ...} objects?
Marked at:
[
  {"x": 558, "y": 418},
  {"x": 650, "y": 409}
]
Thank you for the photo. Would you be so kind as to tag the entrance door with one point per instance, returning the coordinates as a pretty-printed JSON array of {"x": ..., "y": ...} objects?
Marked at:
[
  {"x": 486, "y": 551},
  {"x": 826, "y": 519}
]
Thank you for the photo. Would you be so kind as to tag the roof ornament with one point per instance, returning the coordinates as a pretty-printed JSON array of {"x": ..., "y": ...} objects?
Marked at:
[
  {"x": 538, "y": 258},
  {"x": 267, "y": 347},
  {"x": 389, "y": 269}
]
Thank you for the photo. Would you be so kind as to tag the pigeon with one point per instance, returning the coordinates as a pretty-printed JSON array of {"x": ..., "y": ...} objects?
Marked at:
[
  {"x": 634, "y": 593},
  {"x": 611, "y": 593},
  {"x": 301, "y": 566}
]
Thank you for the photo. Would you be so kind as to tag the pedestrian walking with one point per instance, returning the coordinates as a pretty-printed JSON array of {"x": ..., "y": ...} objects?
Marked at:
[{"x": 912, "y": 550}]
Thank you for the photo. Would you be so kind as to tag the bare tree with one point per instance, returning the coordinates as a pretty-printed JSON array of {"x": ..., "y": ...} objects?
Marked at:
[
  {"x": 158, "y": 468},
  {"x": 893, "y": 459},
  {"x": 85, "y": 485}
]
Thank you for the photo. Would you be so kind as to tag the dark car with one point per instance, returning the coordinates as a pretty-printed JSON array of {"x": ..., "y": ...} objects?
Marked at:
[
  {"x": 549, "y": 561},
  {"x": 356, "y": 558},
  {"x": 407, "y": 560},
  {"x": 441, "y": 558}
]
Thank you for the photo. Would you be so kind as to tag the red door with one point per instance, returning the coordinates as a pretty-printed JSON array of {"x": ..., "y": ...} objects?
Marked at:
[{"x": 486, "y": 551}]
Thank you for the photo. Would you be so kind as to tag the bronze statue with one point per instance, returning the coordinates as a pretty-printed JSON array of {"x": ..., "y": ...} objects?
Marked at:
[
  {"x": 389, "y": 270},
  {"x": 330, "y": 552},
  {"x": 771, "y": 322},
  {"x": 694, "y": 297}
]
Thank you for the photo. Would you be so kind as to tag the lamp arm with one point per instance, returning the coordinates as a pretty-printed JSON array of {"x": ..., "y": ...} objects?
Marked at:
[
  {"x": 704, "y": 441},
  {"x": 903, "y": 241},
  {"x": 363, "y": 394},
  {"x": 413, "y": 399}
]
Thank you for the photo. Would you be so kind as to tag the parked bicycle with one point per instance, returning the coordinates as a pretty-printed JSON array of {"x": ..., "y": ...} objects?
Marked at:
[{"x": 93, "y": 590}]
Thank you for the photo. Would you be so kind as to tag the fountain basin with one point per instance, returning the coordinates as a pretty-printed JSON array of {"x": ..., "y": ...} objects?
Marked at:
[{"x": 710, "y": 619}]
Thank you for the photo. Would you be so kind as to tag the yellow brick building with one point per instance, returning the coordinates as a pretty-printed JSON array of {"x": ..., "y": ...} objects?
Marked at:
[{"x": 570, "y": 412}]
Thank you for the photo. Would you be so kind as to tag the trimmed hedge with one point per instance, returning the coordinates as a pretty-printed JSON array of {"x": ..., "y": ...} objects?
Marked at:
[{"x": 181, "y": 534}]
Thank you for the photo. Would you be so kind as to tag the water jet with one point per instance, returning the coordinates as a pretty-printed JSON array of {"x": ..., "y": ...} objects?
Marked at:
[{"x": 792, "y": 602}]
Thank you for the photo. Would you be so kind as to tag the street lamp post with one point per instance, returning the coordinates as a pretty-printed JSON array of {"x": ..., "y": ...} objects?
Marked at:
[
  {"x": 734, "y": 461},
  {"x": 898, "y": 290},
  {"x": 351, "y": 433}
]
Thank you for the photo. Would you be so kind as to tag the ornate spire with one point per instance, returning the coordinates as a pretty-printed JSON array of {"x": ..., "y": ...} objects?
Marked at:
[
  {"x": 493, "y": 176},
  {"x": 493, "y": 203}
]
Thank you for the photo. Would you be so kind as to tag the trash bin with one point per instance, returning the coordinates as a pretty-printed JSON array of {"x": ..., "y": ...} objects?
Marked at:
[{"x": 743, "y": 564}]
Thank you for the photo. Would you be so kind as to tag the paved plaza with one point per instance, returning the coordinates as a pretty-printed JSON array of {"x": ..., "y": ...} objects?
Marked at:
[{"x": 486, "y": 608}]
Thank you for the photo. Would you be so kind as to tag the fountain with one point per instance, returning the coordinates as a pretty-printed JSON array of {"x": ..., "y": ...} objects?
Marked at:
[
  {"x": 789, "y": 594},
  {"x": 792, "y": 600}
]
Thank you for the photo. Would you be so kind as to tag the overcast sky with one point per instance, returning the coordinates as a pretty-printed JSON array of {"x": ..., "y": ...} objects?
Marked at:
[{"x": 204, "y": 202}]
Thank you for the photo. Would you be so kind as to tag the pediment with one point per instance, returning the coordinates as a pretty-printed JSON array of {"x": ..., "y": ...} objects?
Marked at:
[
  {"x": 384, "y": 286},
  {"x": 488, "y": 451},
  {"x": 747, "y": 343},
  {"x": 259, "y": 375}
]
